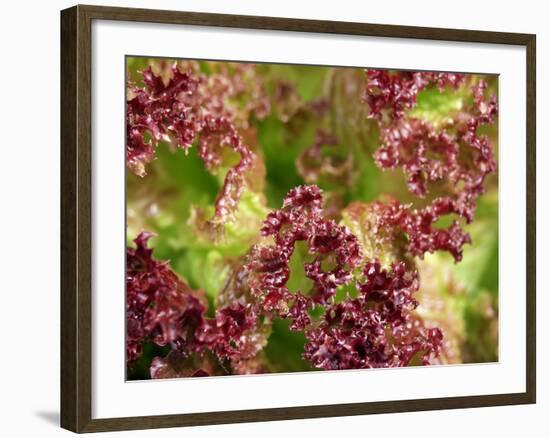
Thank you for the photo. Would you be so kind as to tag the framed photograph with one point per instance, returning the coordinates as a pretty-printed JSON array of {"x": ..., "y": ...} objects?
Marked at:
[{"x": 268, "y": 219}]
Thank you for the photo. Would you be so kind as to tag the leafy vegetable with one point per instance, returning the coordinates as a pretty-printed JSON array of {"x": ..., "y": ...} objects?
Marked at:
[{"x": 308, "y": 218}]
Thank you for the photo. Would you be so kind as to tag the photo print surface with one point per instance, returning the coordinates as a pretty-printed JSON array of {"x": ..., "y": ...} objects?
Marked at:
[{"x": 293, "y": 218}]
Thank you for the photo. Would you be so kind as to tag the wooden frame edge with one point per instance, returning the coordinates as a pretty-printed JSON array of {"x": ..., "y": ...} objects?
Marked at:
[
  {"x": 76, "y": 226},
  {"x": 68, "y": 346},
  {"x": 531, "y": 217},
  {"x": 300, "y": 413},
  {"x": 75, "y": 220}
]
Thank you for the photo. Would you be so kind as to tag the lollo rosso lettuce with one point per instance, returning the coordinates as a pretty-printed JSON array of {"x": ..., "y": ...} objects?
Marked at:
[{"x": 342, "y": 269}]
